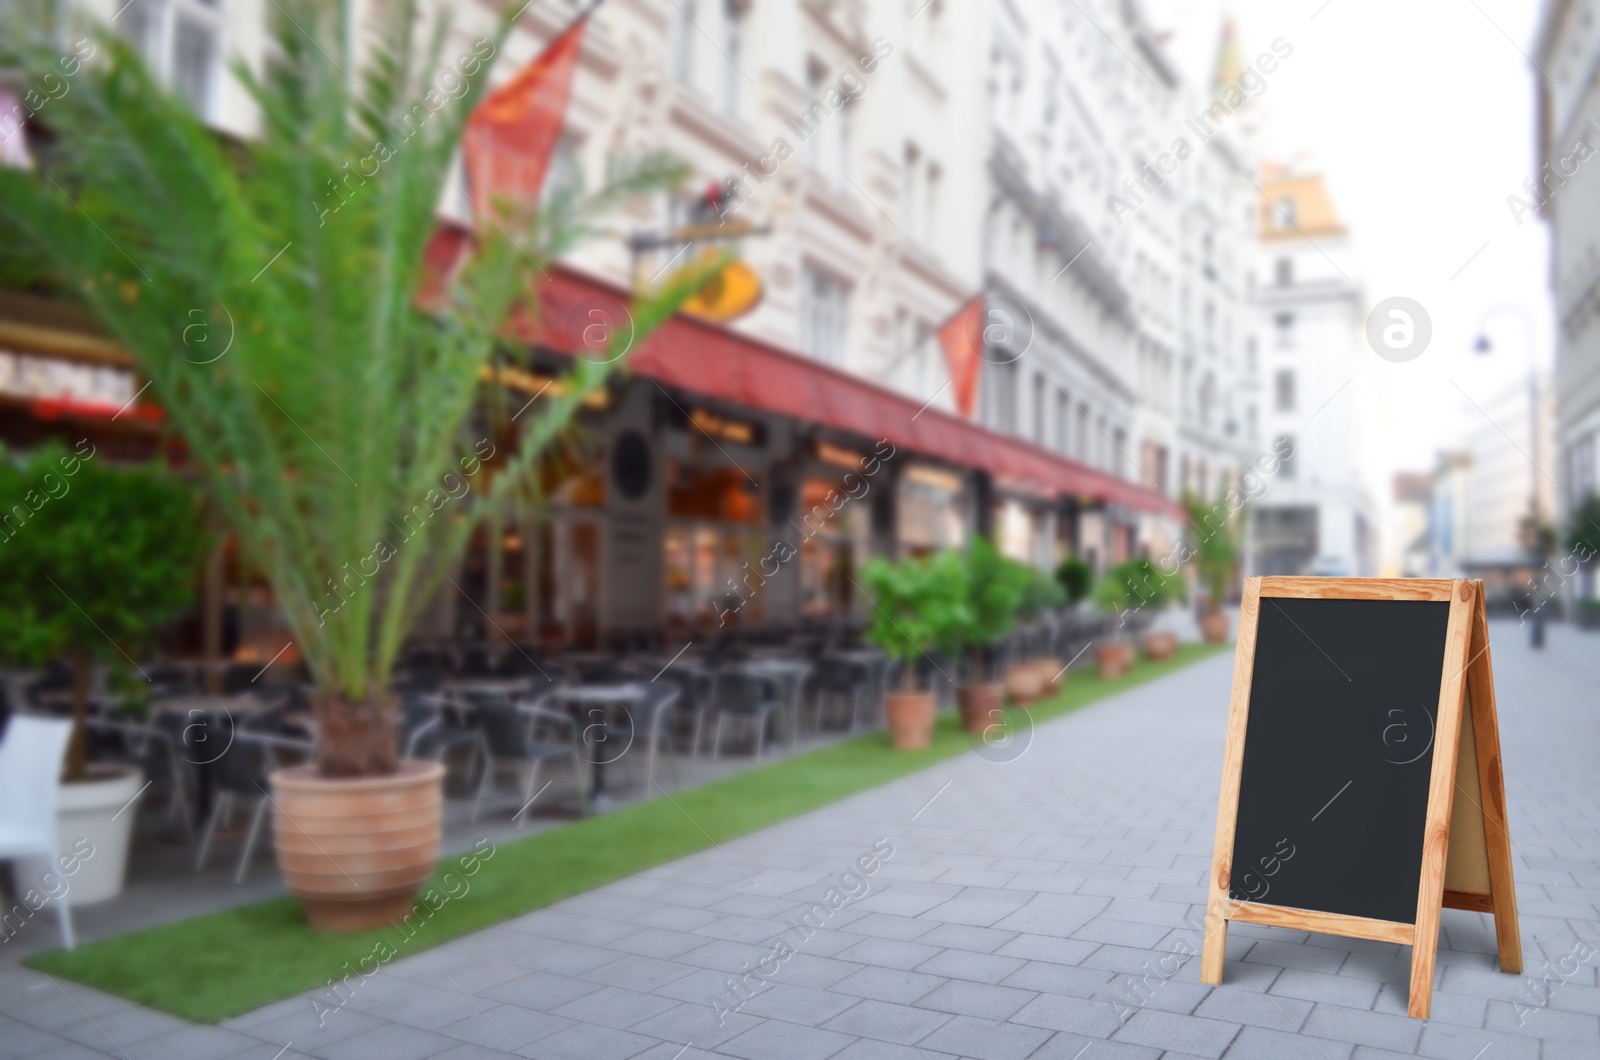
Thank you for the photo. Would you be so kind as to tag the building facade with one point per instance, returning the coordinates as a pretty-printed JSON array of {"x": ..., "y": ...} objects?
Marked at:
[
  {"x": 1564, "y": 191},
  {"x": 1317, "y": 516},
  {"x": 877, "y": 164}
]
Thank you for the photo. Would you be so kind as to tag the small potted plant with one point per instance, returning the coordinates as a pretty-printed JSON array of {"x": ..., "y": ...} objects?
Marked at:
[
  {"x": 1153, "y": 590},
  {"x": 1042, "y": 598},
  {"x": 915, "y": 603},
  {"x": 1074, "y": 576},
  {"x": 103, "y": 557},
  {"x": 992, "y": 590},
  {"x": 1022, "y": 681},
  {"x": 1113, "y": 653},
  {"x": 1215, "y": 551}
]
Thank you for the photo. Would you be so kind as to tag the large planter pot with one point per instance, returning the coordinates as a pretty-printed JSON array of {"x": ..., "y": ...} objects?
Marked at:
[
  {"x": 355, "y": 851},
  {"x": 1052, "y": 672},
  {"x": 910, "y": 719},
  {"x": 1161, "y": 644},
  {"x": 97, "y": 810},
  {"x": 980, "y": 706},
  {"x": 1214, "y": 626},
  {"x": 1024, "y": 683},
  {"x": 1114, "y": 658}
]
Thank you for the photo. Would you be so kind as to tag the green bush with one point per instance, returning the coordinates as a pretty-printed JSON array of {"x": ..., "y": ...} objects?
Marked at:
[
  {"x": 918, "y": 603},
  {"x": 992, "y": 589},
  {"x": 1075, "y": 576},
  {"x": 95, "y": 558}
]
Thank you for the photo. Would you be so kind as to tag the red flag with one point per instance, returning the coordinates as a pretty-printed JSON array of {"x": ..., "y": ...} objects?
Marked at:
[
  {"x": 962, "y": 339},
  {"x": 512, "y": 134}
]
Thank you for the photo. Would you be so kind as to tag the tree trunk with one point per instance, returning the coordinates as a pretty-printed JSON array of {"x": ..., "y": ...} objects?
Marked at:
[
  {"x": 78, "y": 749},
  {"x": 355, "y": 738}
]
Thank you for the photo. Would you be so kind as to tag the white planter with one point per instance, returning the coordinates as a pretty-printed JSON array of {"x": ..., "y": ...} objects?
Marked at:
[{"x": 85, "y": 811}]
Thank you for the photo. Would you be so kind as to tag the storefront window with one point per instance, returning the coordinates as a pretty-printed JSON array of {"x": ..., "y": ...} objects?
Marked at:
[{"x": 929, "y": 510}]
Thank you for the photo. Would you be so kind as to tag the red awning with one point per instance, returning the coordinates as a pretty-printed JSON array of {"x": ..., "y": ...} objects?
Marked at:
[{"x": 715, "y": 362}]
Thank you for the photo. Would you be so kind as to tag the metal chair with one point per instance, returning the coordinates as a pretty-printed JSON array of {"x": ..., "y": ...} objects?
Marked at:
[
  {"x": 840, "y": 684},
  {"x": 525, "y": 736},
  {"x": 153, "y": 746},
  {"x": 423, "y": 733},
  {"x": 744, "y": 697},
  {"x": 240, "y": 775}
]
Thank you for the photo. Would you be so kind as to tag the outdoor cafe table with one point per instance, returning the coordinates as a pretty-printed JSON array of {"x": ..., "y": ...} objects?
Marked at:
[
  {"x": 590, "y": 707},
  {"x": 212, "y": 722},
  {"x": 500, "y": 687},
  {"x": 788, "y": 674}
]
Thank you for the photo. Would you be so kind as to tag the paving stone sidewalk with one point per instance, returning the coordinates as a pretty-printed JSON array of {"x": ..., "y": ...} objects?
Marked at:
[{"x": 1042, "y": 906}]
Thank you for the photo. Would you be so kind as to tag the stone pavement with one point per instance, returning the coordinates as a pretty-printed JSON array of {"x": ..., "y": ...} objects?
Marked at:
[{"x": 1046, "y": 906}]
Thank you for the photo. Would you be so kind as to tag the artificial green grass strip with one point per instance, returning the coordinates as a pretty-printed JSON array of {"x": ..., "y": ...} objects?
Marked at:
[{"x": 222, "y": 964}]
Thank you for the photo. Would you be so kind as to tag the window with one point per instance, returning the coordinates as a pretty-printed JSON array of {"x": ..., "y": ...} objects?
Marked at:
[
  {"x": 1063, "y": 414},
  {"x": 1119, "y": 451},
  {"x": 1285, "y": 325},
  {"x": 999, "y": 395},
  {"x": 1283, "y": 272},
  {"x": 1284, "y": 443},
  {"x": 824, "y": 315},
  {"x": 1283, "y": 390},
  {"x": 1038, "y": 407},
  {"x": 683, "y": 34},
  {"x": 908, "y": 186},
  {"x": 733, "y": 12},
  {"x": 930, "y": 206},
  {"x": 1250, "y": 353},
  {"x": 815, "y": 74},
  {"x": 181, "y": 40},
  {"x": 1288, "y": 212},
  {"x": 1082, "y": 449},
  {"x": 843, "y": 122}
]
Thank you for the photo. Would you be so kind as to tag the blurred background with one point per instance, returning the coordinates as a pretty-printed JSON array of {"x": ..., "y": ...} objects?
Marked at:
[{"x": 1084, "y": 278}]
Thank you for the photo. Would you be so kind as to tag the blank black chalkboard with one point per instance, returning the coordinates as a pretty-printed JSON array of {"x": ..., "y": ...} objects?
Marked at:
[{"x": 1333, "y": 791}]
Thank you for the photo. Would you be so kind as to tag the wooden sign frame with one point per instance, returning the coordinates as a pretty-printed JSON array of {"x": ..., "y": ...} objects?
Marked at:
[{"x": 1466, "y": 849}]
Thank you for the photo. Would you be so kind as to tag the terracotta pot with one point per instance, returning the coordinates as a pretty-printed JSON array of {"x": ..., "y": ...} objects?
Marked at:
[
  {"x": 1114, "y": 659},
  {"x": 980, "y": 706},
  {"x": 1160, "y": 645},
  {"x": 1024, "y": 683},
  {"x": 1052, "y": 672},
  {"x": 910, "y": 719},
  {"x": 355, "y": 851},
  {"x": 1214, "y": 627}
]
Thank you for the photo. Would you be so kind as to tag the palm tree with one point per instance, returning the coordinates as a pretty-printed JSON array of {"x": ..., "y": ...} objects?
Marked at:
[{"x": 268, "y": 292}]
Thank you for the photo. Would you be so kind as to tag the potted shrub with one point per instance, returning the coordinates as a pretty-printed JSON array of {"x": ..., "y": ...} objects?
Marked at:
[
  {"x": 1215, "y": 552},
  {"x": 1151, "y": 590},
  {"x": 1075, "y": 576},
  {"x": 1021, "y": 679},
  {"x": 914, "y": 606},
  {"x": 322, "y": 360},
  {"x": 1113, "y": 653},
  {"x": 95, "y": 558},
  {"x": 1042, "y": 597},
  {"x": 992, "y": 590}
]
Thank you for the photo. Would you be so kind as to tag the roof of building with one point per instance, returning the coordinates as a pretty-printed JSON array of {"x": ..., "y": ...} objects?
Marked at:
[{"x": 1295, "y": 206}]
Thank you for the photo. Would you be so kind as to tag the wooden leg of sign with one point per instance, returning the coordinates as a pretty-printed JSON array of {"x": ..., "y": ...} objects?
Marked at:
[
  {"x": 1215, "y": 945},
  {"x": 1244, "y": 662},
  {"x": 1441, "y": 793},
  {"x": 1492, "y": 790}
]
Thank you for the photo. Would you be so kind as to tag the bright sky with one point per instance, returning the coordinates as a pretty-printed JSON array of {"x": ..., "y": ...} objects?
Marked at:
[{"x": 1421, "y": 115}]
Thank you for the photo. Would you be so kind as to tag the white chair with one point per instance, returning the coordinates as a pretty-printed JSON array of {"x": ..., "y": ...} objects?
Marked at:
[{"x": 31, "y": 758}]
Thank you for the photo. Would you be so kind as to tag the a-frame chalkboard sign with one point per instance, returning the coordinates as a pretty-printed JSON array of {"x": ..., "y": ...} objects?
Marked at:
[{"x": 1361, "y": 786}]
